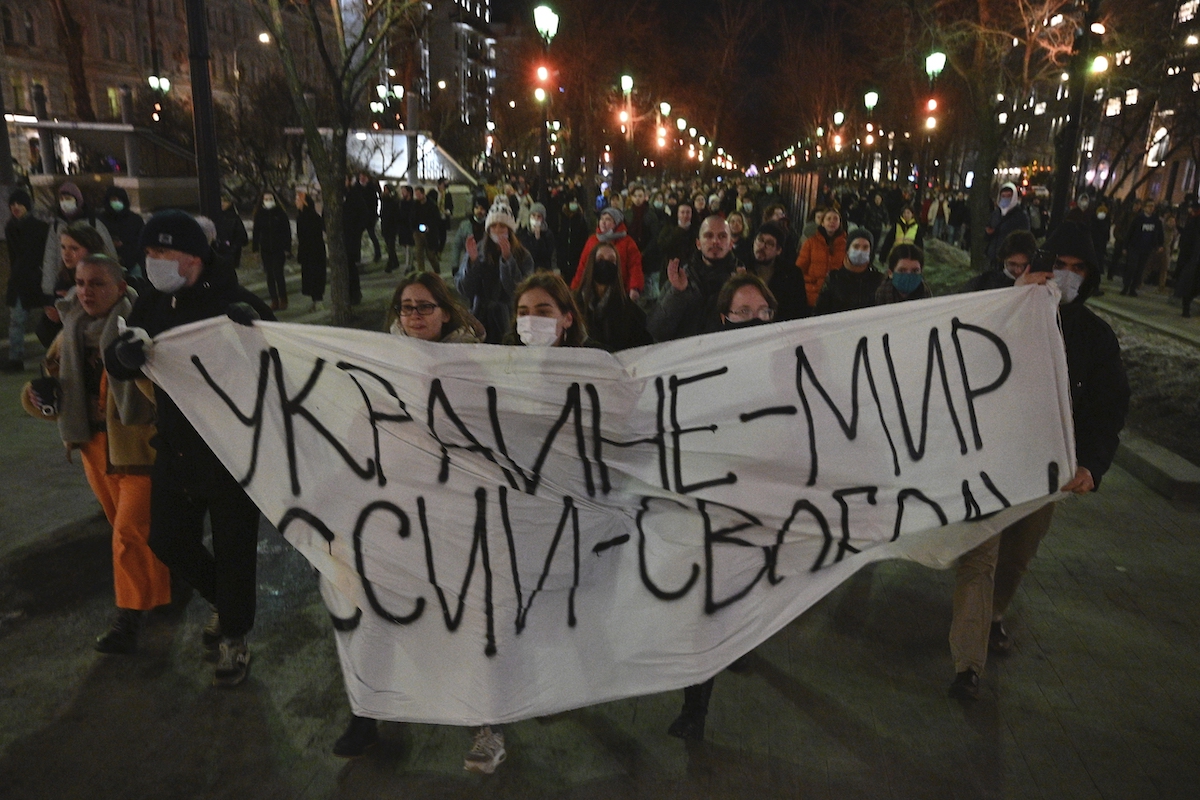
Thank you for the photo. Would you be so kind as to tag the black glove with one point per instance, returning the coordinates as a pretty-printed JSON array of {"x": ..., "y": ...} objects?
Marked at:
[
  {"x": 130, "y": 349},
  {"x": 242, "y": 314}
]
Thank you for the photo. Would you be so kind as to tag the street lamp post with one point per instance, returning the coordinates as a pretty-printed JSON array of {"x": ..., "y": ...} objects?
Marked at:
[
  {"x": 935, "y": 62},
  {"x": 207, "y": 170},
  {"x": 1066, "y": 145},
  {"x": 546, "y": 22}
]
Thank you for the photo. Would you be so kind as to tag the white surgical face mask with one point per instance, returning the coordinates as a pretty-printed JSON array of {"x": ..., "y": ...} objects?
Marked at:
[
  {"x": 1101, "y": 215},
  {"x": 164, "y": 275},
  {"x": 268, "y": 204},
  {"x": 537, "y": 331},
  {"x": 496, "y": 238},
  {"x": 1068, "y": 283},
  {"x": 859, "y": 257},
  {"x": 68, "y": 205}
]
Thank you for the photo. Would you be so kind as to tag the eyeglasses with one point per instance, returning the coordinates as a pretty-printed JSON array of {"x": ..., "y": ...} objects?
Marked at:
[
  {"x": 420, "y": 309},
  {"x": 745, "y": 313}
]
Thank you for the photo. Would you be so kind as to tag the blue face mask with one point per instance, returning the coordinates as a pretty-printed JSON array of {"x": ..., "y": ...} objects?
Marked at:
[{"x": 906, "y": 282}]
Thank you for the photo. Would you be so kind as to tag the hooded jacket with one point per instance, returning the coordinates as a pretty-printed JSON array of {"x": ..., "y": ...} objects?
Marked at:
[
  {"x": 627, "y": 249},
  {"x": 124, "y": 226},
  {"x": 1005, "y": 221},
  {"x": 26, "y": 243},
  {"x": 820, "y": 255},
  {"x": 52, "y": 253}
]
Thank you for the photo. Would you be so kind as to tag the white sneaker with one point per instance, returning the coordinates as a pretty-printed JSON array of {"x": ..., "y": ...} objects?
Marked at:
[{"x": 487, "y": 752}]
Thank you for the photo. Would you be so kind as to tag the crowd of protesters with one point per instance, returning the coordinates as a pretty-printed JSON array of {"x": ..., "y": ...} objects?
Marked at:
[{"x": 617, "y": 268}]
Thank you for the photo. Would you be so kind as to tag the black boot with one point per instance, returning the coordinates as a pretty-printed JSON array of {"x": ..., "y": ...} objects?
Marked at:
[
  {"x": 121, "y": 638},
  {"x": 690, "y": 722},
  {"x": 360, "y": 734}
]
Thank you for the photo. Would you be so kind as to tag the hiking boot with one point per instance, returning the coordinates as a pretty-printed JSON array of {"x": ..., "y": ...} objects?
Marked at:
[
  {"x": 486, "y": 753},
  {"x": 233, "y": 662},
  {"x": 690, "y": 722},
  {"x": 121, "y": 638},
  {"x": 211, "y": 634},
  {"x": 965, "y": 685},
  {"x": 360, "y": 734}
]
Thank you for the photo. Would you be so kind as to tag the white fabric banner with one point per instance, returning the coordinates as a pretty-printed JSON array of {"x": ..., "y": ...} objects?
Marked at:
[{"x": 507, "y": 532}]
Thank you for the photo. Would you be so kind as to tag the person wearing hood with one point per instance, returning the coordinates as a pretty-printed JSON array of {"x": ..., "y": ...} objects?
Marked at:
[
  {"x": 855, "y": 284},
  {"x": 489, "y": 275},
  {"x": 273, "y": 242},
  {"x": 610, "y": 317},
  {"x": 125, "y": 227},
  {"x": 537, "y": 238},
  {"x": 111, "y": 425},
  {"x": 875, "y": 217},
  {"x": 822, "y": 253},
  {"x": 989, "y": 575},
  {"x": 688, "y": 305},
  {"x": 905, "y": 264},
  {"x": 611, "y": 229},
  {"x": 1016, "y": 255},
  {"x": 26, "y": 238},
  {"x": 310, "y": 248},
  {"x": 70, "y": 208},
  {"x": 191, "y": 283},
  {"x": 1008, "y": 216},
  {"x": 231, "y": 232}
]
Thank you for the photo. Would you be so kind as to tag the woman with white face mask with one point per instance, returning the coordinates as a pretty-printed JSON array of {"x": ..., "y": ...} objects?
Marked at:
[
  {"x": 545, "y": 314},
  {"x": 489, "y": 274}
]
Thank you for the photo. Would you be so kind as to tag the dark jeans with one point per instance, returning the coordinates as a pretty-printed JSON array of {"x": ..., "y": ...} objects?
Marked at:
[
  {"x": 1135, "y": 264},
  {"x": 226, "y": 576},
  {"x": 276, "y": 283}
]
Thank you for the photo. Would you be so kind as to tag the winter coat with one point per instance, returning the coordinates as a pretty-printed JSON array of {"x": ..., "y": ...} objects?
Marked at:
[
  {"x": 272, "y": 233},
  {"x": 404, "y": 222},
  {"x": 487, "y": 284},
  {"x": 215, "y": 290},
  {"x": 26, "y": 244},
  {"x": 310, "y": 251},
  {"x": 819, "y": 255},
  {"x": 125, "y": 227},
  {"x": 572, "y": 236},
  {"x": 694, "y": 310},
  {"x": 613, "y": 321},
  {"x": 992, "y": 279},
  {"x": 389, "y": 214},
  {"x": 52, "y": 252},
  {"x": 1145, "y": 233},
  {"x": 1003, "y": 224},
  {"x": 787, "y": 284},
  {"x": 642, "y": 224},
  {"x": 540, "y": 247},
  {"x": 89, "y": 403},
  {"x": 846, "y": 290},
  {"x": 886, "y": 293},
  {"x": 627, "y": 250},
  {"x": 231, "y": 235},
  {"x": 469, "y": 227},
  {"x": 1099, "y": 387}
]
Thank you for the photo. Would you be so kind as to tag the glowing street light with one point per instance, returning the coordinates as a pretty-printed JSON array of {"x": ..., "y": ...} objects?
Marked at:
[
  {"x": 935, "y": 62},
  {"x": 930, "y": 123},
  {"x": 264, "y": 37},
  {"x": 664, "y": 108},
  {"x": 539, "y": 94},
  {"x": 838, "y": 118},
  {"x": 1100, "y": 64},
  {"x": 681, "y": 124},
  {"x": 626, "y": 83},
  {"x": 543, "y": 74},
  {"x": 546, "y": 22},
  {"x": 870, "y": 100}
]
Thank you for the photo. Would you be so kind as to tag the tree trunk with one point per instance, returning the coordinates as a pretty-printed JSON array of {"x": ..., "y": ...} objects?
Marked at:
[
  {"x": 990, "y": 146},
  {"x": 332, "y": 179}
]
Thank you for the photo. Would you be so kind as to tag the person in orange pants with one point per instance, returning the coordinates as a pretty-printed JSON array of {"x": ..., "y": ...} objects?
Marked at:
[{"x": 111, "y": 428}]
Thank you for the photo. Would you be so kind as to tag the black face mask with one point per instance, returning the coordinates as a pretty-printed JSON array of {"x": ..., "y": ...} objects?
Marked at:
[
  {"x": 730, "y": 325},
  {"x": 604, "y": 272}
]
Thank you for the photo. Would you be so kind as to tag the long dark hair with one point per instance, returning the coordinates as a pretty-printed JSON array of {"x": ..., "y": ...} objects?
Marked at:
[
  {"x": 587, "y": 288},
  {"x": 459, "y": 317},
  {"x": 552, "y": 284}
]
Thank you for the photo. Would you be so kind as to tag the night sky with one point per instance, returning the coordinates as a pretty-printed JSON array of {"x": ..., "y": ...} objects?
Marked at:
[{"x": 749, "y": 134}]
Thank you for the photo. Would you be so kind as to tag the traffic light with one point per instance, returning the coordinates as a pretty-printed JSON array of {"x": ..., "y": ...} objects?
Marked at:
[{"x": 543, "y": 74}]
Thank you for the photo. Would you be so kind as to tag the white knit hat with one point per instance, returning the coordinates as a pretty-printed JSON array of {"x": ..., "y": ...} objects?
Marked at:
[{"x": 502, "y": 214}]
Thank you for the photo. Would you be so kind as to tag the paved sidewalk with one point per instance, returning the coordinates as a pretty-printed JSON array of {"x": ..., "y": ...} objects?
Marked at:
[
  {"x": 1152, "y": 308},
  {"x": 1098, "y": 698}
]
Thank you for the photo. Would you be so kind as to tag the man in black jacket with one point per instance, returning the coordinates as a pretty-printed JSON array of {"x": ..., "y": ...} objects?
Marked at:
[
  {"x": 191, "y": 284},
  {"x": 26, "y": 235},
  {"x": 855, "y": 284},
  {"x": 989, "y": 575},
  {"x": 688, "y": 306},
  {"x": 1015, "y": 255},
  {"x": 125, "y": 227},
  {"x": 784, "y": 280}
]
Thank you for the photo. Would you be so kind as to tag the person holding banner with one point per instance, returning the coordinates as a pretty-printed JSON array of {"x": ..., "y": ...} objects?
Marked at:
[
  {"x": 989, "y": 575},
  {"x": 190, "y": 283}
]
